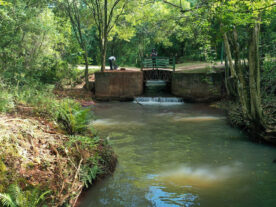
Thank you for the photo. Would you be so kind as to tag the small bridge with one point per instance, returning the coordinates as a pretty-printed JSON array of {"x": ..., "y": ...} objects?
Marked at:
[{"x": 158, "y": 68}]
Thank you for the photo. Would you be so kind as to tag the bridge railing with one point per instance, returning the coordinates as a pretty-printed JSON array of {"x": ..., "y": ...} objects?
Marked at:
[{"x": 158, "y": 63}]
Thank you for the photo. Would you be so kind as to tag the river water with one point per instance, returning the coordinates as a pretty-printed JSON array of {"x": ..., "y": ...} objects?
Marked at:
[{"x": 180, "y": 155}]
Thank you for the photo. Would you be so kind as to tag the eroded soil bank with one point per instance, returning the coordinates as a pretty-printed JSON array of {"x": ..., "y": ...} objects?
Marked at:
[{"x": 44, "y": 164}]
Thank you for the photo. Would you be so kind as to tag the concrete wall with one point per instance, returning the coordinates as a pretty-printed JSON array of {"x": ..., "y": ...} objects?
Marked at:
[
  {"x": 198, "y": 87},
  {"x": 118, "y": 85}
]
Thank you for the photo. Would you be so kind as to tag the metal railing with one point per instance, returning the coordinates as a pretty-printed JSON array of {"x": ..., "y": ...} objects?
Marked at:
[{"x": 158, "y": 63}]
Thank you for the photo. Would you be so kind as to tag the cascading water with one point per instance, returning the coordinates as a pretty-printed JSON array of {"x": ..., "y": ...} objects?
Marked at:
[
  {"x": 157, "y": 92},
  {"x": 158, "y": 100}
]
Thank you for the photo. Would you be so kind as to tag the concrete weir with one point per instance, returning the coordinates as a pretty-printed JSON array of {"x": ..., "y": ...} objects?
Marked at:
[
  {"x": 126, "y": 85},
  {"x": 118, "y": 85},
  {"x": 198, "y": 87}
]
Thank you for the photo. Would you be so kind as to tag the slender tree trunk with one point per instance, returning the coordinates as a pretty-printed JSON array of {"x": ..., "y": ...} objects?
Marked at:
[
  {"x": 237, "y": 82},
  {"x": 254, "y": 76},
  {"x": 104, "y": 36},
  {"x": 86, "y": 70},
  {"x": 239, "y": 70},
  {"x": 103, "y": 54},
  {"x": 229, "y": 55},
  {"x": 226, "y": 78}
]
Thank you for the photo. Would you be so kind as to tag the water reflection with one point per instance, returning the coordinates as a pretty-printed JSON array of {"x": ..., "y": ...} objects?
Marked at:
[
  {"x": 198, "y": 118},
  {"x": 108, "y": 122},
  {"x": 204, "y": 176},
  {"x": 159, "y": 196},
  {"x": 182, "y": 155}
]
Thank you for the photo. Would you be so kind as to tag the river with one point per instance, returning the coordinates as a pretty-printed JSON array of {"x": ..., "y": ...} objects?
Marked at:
[{"x": 180, "y": 155}]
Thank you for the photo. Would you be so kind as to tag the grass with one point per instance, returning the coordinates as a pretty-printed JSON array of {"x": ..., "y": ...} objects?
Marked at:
[{"x": 52, "y": 140}]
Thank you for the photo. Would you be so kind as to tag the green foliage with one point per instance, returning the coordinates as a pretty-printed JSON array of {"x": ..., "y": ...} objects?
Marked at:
[
  {"x": 82, "y": 148},
  {"x": 89, "y": 174},
  {"x": 34, "y": 44},
  {"x": 15, "y": 197},
  {"x": 72, "y": 118},
  {"x": 2, "y": 3},
  {"x": 84, "y": 142},
  {"x": 6, "y": 99},
  {"x": 269, "y": 77},
  {"x": 68, "y": 113},
  {"x": 3, "y": 175}
]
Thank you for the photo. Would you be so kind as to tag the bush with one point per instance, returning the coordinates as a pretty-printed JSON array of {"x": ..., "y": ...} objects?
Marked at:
[
  {"x": 269, "y": 77},
  {"x": 18, "y": 198},
  {"x": 72, "y": 118},
  {"x": 6, "y": 99}
]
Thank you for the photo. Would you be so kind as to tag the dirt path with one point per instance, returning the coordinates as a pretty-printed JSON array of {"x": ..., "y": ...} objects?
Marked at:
[{"x": 179, "y": 67}]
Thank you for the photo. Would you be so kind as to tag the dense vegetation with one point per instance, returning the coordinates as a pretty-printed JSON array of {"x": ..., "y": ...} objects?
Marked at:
[{"x": 42, "y": 42}]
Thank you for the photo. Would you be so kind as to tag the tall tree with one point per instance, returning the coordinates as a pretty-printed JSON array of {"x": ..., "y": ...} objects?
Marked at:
[
  {"x": 76, "y": 10},
  {"x": 240, "y": 23},
  {"x": 106, "y": 14}
]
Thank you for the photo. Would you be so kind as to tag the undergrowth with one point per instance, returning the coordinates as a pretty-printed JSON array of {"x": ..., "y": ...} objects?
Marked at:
[{"x": 52, "y": 167}]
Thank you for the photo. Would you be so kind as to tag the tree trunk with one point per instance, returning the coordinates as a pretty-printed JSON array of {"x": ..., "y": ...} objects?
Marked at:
[
  {"x": 86, "y": 70},
  {"x": 229, "y": 55},
  {"x": 226, "y": 78},
  {"x": 254, "y": 76},
  {"x": 103, "y": 54},
  {"x": 240, "y": 87},
  {"x": 104, "y": 36},
  {"x": 239, "y": 70}
]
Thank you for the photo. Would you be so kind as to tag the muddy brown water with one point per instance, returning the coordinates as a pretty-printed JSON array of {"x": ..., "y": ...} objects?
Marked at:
[{"x": 180, "y": 155}]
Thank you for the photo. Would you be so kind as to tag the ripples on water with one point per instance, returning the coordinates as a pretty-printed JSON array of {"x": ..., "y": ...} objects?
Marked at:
[{"x": 183, "y": 155}]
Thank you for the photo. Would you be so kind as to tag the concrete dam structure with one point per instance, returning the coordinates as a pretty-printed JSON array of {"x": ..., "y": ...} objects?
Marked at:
[{"x": 126, "y": 85}]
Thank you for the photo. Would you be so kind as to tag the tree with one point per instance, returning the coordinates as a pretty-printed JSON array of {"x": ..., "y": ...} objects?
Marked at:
[
  {"x": 106, "y": 14},
  {"x": 76, "y": 11},
  {"x": 2, "y": 2},
  {"x": 29, "y": 46},
  {"x": 234, "y": 16},
  {"x": 240, "y": 23}
]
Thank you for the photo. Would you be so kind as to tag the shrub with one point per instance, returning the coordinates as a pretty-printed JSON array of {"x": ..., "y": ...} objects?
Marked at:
[
  {"x": 15, "y": 197},
  {"x": 72, "y": 118},
  {"x": 269, "y": 77},
  {"x": 6, "y": 99}
]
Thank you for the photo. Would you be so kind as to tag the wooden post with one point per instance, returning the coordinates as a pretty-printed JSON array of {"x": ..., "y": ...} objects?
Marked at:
[{"x": 173, "y": 63}]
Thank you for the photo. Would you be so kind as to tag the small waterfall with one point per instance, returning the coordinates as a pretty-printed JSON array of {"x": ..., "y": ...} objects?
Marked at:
[{"x": 159, "y": 100}]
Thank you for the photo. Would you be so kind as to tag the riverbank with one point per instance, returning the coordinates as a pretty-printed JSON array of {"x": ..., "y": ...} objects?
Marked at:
[
  {"x": 48, "y": 151},
  {"x": 266, "y": 133},
  {"x": 236, "y": 120},
  {"x": 182, "y": 154}
]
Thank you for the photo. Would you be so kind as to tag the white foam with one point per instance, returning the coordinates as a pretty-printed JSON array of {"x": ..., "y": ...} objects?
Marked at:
[{"x": 158, "y": 100}]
